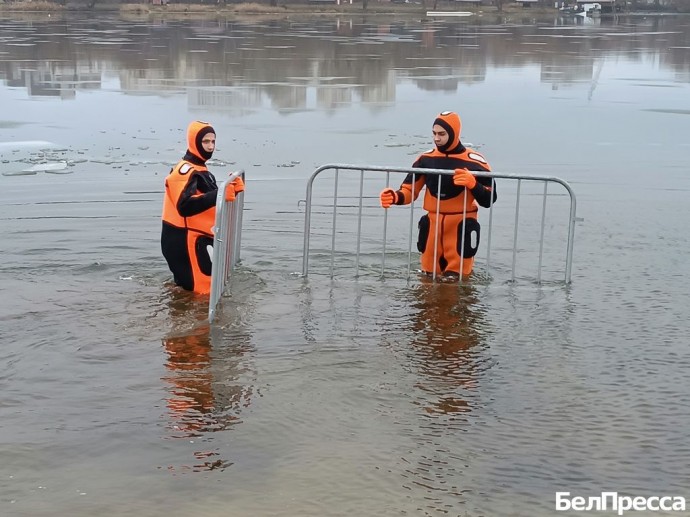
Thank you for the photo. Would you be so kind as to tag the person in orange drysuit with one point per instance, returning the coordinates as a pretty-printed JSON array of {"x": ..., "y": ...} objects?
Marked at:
[
  {"x": 189, "y": 211},
  {"x": 460, "y": 195}
]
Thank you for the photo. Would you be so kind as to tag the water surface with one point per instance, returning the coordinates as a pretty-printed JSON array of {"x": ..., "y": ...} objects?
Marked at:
[{"x": 338, "y": 397}]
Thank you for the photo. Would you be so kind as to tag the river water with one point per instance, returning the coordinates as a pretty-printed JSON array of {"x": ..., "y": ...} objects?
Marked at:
[{"x": 323, "y": 396}]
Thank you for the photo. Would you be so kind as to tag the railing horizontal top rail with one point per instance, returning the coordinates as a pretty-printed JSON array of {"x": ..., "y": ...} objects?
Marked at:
[{"x": 446, "y": 172}]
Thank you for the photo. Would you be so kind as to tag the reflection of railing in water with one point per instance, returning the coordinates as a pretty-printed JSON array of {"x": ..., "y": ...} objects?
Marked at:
[
  {"x": 337, "y": 209},
  {"x": 226, "y": 242}
]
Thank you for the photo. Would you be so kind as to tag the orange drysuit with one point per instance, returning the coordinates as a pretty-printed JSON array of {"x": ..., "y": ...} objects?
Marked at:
[
  {"x": 189, "y": 214},
  {"x": 441, "y": 229}
]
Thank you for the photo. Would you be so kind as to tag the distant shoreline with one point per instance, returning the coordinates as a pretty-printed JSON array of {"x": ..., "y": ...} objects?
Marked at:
[
  {"x": 320, "y": 8},
  {"x": 177, "y": 10},
  {"x": 184, "y": 11}
]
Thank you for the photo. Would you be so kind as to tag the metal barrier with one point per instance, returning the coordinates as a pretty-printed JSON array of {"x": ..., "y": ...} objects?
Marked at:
[
  {"x": 226, "y": 242},
  {"x": 506, "y": 198}
]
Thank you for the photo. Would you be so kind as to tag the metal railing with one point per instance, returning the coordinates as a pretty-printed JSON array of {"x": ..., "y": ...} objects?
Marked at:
[
  {"x": 226, "y": 242},
  {"x": 357, "y": 191}
]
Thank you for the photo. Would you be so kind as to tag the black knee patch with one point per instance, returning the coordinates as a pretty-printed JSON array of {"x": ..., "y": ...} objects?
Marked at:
[
  {"x": 423, "y": 226},
  {"x": 174, "y": 247},
  {"x": 203, "y": 259},
  {"x": 471, "y": 238}
]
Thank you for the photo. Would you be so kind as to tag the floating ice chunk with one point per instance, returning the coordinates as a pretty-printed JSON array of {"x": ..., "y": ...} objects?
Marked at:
[
  {"x": 19, "y": 173},
  {"x": 47, "y": 167},
  {"x": 31, "y": 145}
]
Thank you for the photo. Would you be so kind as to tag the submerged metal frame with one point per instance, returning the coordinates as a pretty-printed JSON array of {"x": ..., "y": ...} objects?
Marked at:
[{"x": 415, "y": 171}]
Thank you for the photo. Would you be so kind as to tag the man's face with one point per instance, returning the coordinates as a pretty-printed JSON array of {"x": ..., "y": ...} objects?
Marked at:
[
  {"x": 440, "y": 135},
  {"x": 208, "y": 142}
]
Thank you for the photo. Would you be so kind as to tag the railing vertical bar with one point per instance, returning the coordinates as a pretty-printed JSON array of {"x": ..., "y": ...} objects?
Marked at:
[
  {"x": 571, "y": 235},
  {"x": 462, "y": 233},
  {"x": 227, "y": 243},
  {"x": 232, "y": 239},
  {"x": 438, "y": 222},
  {"x": 217, "y": 252},
  {"x": 233, "y": 225},
  {"x": 307, "y": 221},
  {"x": 335, "y": 211},
  {"x": 409, "y": 240},
  {"x": 238, "y": 222},
  {"x": 541, "y": 235},
  {"x": 491, "y": 217},
  {"x": 359, "y": 221},
  {"x": 515, "y": 232},
  {"x": 385, "y": 229}
]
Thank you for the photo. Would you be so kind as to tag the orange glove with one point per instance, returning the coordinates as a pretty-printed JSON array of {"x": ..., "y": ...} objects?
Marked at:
[
  {"x": 239, "y": 184},
  {"x": 234, "y": 187},
  {"x": 388, "y": 197},
  {"x": 230, "y": 191},
  {"x": 464, "y": 178}
]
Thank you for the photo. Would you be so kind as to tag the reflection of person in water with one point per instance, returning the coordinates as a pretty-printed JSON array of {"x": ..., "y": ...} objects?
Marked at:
[
  {"x": 448, "y": 326},
  {"x": 191, "y": 397},
  {"x": 199, "y": 401}
]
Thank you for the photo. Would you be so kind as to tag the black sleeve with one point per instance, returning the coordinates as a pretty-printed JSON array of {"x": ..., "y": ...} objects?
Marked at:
[
  {"x": 414, "y": 176},
  {"x": 190, "y": 204},
  {"x": 483, "y": 191}
]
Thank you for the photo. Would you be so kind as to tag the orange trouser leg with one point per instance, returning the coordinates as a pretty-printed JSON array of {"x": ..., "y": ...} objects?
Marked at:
[
  {"x": 451, "y": 248},
  {"x": 200, "y": 261},
  {"x": 452, "y": 245},
  {"x": 447, "y": 246}
]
